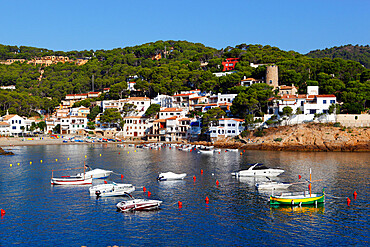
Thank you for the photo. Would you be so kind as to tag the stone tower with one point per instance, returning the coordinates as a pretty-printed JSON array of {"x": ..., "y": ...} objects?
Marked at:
[{"x": 272, "y": 76}]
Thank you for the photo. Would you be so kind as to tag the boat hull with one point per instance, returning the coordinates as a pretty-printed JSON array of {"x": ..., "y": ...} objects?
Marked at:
[
  {"x": 298, "y": 199},
  {"x": 170, "y": 176},
  {"x": 111, "y": 190},
  {"x": 259, "y": 173},
  {"x": 138, "y": 205},
  {"x": 71, "y": 181}
]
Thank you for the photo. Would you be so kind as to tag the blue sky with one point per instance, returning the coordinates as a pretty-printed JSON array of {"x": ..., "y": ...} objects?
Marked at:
[{"x": 298, "y": 25}]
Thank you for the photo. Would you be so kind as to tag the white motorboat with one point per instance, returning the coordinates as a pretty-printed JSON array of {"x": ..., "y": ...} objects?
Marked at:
[
  {"x": 113, "y": 189},
  {"x": 205, "y": 149},
  {"x": 232, "y": 150},
  {"x": 271, "y": 185},
  {"x": 217, "y": 150},
  {"x": 258, "y": 170},
  {"x": 167, "y": 176},
  {"x": 138, "y": 204},
  {"x": 71, "y": 180},
  {"x": 96, "y": 173}
]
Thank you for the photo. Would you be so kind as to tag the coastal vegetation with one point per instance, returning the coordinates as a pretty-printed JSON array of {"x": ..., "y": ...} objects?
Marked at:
[{"x": 167, "y": 67}]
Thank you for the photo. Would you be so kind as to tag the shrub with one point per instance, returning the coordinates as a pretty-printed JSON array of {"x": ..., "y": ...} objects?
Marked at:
[
  {"x": 278, "y": 139},
  {"x": 259, "y": 133},
  {"x": 245, "y": 133},
  {"x": 336, "y": 124}
]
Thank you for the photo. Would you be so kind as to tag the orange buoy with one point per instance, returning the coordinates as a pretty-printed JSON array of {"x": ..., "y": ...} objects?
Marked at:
[
  {"x": 241, "y": 153},
  {"x": 207, "y": 199},
  {"x": 217, "y": 183},
  {"x": 149, "y": 194},
  {"x": 105, "y": 182},
  {"x": 121, "y": 176},
  {"x": 348, "y": 201},
  {"x": 2, "y": 212},
  {"x": 194, "y": 178},
  {"x": 144, "y": 189},
  {"x": 299, "y": 176},
  {"x": 355, "y": 195},
  {"x": 201, "y": 171},
  {"x": 180, "y": 204}
]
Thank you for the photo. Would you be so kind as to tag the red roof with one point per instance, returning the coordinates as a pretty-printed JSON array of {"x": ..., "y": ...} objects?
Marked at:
[
  {"x": 322, "y": 96},
  {"x": 170, "y": 109},
  {"x": 183, "y": 94}
]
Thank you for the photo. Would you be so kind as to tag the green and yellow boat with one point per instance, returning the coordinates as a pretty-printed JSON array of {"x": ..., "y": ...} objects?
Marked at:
[{"x": 297, "y": 198}]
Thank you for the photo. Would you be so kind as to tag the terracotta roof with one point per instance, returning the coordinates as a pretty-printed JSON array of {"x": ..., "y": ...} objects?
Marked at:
[
  {"x": 235, "y": 119},
  {"x": 183, "y": 94},
  {"x": 171, "y": 118},
  {"x": 184, "y": 119},
  {"x": 136, "y": 117},
  {"x": 322, "y": 96},
  {"x": 160, "y": 120},
  {"x": 4, "y": 124},
  {"x": 286, "y": 87},
  {"x": 171, "y": 109},
  {"x": 7, "y": 117},
  {"x": 251, "y": 79}
]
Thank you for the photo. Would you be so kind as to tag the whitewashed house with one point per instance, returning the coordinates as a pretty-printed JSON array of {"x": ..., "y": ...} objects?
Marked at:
[
  {"x": 135, "y": 127},
  {"x": 227, "y": 127},
  {"x": 171, "y": 112},
  {"x": 17, "y": 124}
]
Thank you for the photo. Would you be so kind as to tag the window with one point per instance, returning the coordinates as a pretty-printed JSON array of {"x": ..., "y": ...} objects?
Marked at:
[
  {"x": 229, "y": 125},
  {"x": 14, "y": 127},
  {"x": 324, "y": 101},
  {"x": 312, "y": 111},
  {"x": 222, "y": 125},
  {"x": 229, "y": 131},
  {"x": 332, "y": 101},
  {"x": 12, "y": 121},
  {"x": 233, "y": 125},
  {"x": 234, "y": 131}
]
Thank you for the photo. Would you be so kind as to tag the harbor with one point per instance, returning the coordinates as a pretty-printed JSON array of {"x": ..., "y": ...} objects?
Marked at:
[{"x": 216, "y": 208}]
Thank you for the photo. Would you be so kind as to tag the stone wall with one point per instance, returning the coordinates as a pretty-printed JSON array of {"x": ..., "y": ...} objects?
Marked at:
[{"x": 352, "y": 120}]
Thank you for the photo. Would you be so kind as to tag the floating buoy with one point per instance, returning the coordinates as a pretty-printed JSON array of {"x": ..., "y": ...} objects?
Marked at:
[
  {"x": 67, "y": 158},
  {"x": 217, "y": 183},
  {"x": 40, "y": 161},
  {"x": 219, "y": 152},
  {"x": 241, "y": 153},
  {"x": 180, "y": 204},
  {"x": 170, "y": 148},
  {"x": 299, "y": 176},
  {"x": 201, "y": 171},
  {"x": 85, "y": 156},
  {"x": 207, "y": 199},
  {"x": 30, "y": 162},
  {"x": 225, "y": 151},
  {"x": 119, "y": 153},
  {"x": 355, "y": 195},
  {"x": 99, "y": 155},
  {"x": 194, "y": 178},
  {"x": 121, "y": 176},
  {"x": 144, "y": 189},
  {"x": 2, "y": 212},
  {"x": 149, "y": 194},
  {"x": 128, "y": 152},
  {"x": 56, "y": 159},
  {"x": 135, "y": 150},
  {"x": 348, "y": 201},
  {"x": 11, "y": 165},
  {"x": 17, "y": 163},
  {"x": 105, "y": 182}
]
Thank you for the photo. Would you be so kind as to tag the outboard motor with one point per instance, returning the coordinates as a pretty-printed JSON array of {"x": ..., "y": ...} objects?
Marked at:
[{"x": 97, "y": 193}]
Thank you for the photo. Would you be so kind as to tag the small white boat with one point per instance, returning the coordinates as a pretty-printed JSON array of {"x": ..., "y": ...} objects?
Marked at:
[
  {"x": 205, "y": 150},
  {"x": 96, "y": 173},
  {"x": 272, "y": 186},
  {"x": 167, "y": 176},
  {"x": 258, "y": 170},
  {"x": 71, "y": 180},
  {"x": 138, "y": 204},
  {"x": 232, "y": 150},
  {"x": 217, "y": 150},
  {"x": 113, "y": 189}
]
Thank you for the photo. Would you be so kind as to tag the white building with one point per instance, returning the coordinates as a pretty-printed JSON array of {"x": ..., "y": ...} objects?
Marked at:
[
  {"x": 136, "y": 126},
  {"x": 16, "y": 124},
  {"x": 141, "y": 103},
  {"x": 171, "y": 112},
  {"x": 163, "y": 100},
  {"x": 227, "y": 127}
]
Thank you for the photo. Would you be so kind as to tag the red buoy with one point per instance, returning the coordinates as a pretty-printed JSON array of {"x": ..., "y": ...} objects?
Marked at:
[
  {"x": 194, "y": 178},
  {"x": 119, "y": 153},
  {"x": 180, "y": 204},
  {"x": 355, "y": 195},
  {"x": 2, "y": 212},
  {"x": 105, "y": 182},
  {"x": 144, "y": 189},
  {"x": 201, "y": 171},
  {"x": 121, "y": 176},
  {"x": 299, "y": 176},
  {"x": 243, "y": 151},
  {"x": 149, "y": 194},
  {"x": 348, "y": 201},
  {"x": 217, "y": 183},
  {"x": 207, "y": 199}
]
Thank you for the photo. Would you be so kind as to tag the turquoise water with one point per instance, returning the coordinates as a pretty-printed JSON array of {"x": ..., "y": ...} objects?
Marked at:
[{"x": 38, "y": 214}]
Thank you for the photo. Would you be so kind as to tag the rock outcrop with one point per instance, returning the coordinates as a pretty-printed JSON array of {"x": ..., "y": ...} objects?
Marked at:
[{"x": 2, "y": 152}]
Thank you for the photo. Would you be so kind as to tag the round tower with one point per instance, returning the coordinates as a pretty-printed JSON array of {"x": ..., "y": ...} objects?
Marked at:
[{"x": 272, "y": 76}]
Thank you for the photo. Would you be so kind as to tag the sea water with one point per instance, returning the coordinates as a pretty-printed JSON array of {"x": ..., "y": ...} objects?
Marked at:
[{"x": 39, "y": 214}]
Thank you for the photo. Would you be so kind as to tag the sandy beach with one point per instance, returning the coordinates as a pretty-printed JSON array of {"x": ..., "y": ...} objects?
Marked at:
[{"x": 29, "y": 141}]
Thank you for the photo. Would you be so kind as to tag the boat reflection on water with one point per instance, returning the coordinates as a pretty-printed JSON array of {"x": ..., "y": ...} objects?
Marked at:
[{"x": 307, "y": 209}]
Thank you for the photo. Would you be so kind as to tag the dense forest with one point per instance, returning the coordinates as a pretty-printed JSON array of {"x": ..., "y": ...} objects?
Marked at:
[
  {"x": 356, "y": 53},
  {"x": 183, "y": 65}
]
